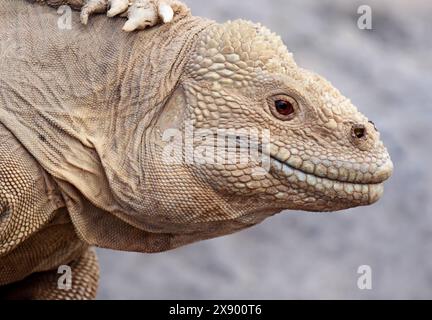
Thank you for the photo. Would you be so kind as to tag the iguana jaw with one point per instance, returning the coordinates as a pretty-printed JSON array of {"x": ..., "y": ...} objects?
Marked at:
[
  {"x": 338, "y": 171},
  {"x": 355, "y": 193}
]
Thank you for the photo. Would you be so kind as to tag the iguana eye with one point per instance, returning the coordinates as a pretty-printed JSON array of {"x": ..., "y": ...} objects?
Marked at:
[{"x": 283, "y": 107}]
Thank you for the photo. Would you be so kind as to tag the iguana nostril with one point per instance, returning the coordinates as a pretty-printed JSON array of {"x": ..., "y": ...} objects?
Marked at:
[{"x": 358, "y": 131}]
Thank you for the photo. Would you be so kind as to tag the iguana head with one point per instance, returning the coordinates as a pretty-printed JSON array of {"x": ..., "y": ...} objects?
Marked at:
[{"x": 324, "y": 155}]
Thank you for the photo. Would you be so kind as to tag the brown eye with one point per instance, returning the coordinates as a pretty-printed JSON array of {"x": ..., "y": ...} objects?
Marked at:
[{"x": 283, "y": 107}]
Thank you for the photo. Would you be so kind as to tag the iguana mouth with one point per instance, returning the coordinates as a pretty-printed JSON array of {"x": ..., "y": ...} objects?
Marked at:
[
  {"x": 365, "y": 192},
  {"x": 289, "y": 169},
  {"x": 358, "y": 174},
  {"x": 337, "y": 171}
]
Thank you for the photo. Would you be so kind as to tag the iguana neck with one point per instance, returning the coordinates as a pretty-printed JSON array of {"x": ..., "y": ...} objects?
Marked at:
[{"x": 151, "y": 70}]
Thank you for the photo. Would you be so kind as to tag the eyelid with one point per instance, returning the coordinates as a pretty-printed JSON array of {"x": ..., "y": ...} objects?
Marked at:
[
  {"x": 285, "y": 91},
  {"x": 284, "y": 97}
]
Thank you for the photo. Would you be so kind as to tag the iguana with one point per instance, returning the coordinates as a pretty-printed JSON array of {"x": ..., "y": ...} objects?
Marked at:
[{"x": 83, "y": 116}]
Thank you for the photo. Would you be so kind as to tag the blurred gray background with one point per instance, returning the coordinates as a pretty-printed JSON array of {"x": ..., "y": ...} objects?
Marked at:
[{"x": 386, "y": 72}]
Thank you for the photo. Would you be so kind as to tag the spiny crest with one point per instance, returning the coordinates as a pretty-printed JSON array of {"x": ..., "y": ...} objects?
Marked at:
[{"x": 240, "y": 47}]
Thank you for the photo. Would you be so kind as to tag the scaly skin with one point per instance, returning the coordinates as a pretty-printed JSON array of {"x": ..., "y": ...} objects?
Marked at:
[{"x": 83, "y": 159}]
